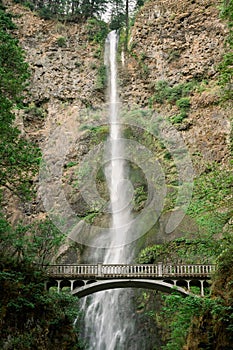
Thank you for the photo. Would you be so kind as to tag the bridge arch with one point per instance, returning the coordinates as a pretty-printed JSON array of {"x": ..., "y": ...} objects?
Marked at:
[{"x": 127, "y": 283}]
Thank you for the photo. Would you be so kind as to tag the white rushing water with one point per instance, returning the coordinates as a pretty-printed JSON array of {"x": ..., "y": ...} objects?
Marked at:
[{"x": 107, "y": 319}]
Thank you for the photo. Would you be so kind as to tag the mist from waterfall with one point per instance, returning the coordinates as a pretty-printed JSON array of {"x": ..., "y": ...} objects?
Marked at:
[{"x": 108, "y": 322}]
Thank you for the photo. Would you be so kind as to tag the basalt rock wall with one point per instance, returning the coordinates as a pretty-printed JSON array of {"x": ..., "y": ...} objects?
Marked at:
[
  {"x": 177, "y": 42},
  {"x": 181, "y": 42}
]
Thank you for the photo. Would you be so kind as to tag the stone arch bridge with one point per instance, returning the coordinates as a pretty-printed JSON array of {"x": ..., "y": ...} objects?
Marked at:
[{"x": 85, "y": 279}]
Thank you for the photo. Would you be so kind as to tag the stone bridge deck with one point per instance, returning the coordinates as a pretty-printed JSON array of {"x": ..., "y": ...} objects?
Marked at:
[{"x": 121, "y": 271}]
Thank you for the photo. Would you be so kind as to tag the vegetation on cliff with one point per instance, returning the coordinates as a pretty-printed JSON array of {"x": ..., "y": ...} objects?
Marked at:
[
  {"x": 225, "y": 68},
  {"x": 201, "y": 323},
  {"x": 19, "y": 158},
  {"x": 71, "y": 10},
  {"x": 31, "y": 318}
]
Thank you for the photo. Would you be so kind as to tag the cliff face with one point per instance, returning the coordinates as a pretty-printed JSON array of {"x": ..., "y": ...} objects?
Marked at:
[
  {"x": 180, "y": 42},
  {"x": 63, "y": 65},
  {"x": 176, "y": 42},
  {"x": 174, "y": 51}
]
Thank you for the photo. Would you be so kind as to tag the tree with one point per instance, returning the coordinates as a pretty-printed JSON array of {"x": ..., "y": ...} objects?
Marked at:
[{"x": 18, "y": 157}]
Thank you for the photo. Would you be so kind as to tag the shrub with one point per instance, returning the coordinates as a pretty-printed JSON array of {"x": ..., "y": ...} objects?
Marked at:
[
  {"x": 45, "y": 13},
  {"x": 178, "y": 118},
  {"x": 164, "y": 92},
  {"x": 183, "y": 103},
  {"x": 61, "y": 41}
]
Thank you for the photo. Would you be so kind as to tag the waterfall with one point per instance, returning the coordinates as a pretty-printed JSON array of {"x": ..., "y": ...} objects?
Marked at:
[{"x": 107, "y": 319}]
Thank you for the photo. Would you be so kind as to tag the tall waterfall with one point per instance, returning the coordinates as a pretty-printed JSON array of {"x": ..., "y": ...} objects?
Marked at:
[{"x": 107, "y": 319}]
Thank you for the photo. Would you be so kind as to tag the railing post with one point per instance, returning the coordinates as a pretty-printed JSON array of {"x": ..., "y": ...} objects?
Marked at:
[
  {"x": 72, "y": 285},
  {"x": 160, "y": 269},
  {"x": 202, "y": 288},
  {"x": 59, "y": 285},
  {"x": 99, "y": 270}
]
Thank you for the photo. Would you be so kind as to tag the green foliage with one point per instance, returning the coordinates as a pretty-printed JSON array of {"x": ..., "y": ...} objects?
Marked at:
[
  {"x": 70, "y": 10},
  {"x": 225, "y": 67},
  {"x": 211, "y": 207},
  {"x": 182, "y": 314},
  {"x": 101, "y": 82},
  {"x": 190, "y": 315},
  {"x": 117, "y": 21},
  {"x": 183, "y": 103},
  {"x": 216, "y": 317},
  {"x": 226, "y": 75},
  {"x": 182, "y": 250},
  {"x": 140, "y": 197},
  {"x": 30, "y": 317},
  {"x": 33, "y": 317},
  {"x": 231, "y": 140},
  {"x": 45, "y": 12},
  {"x": 150, "y": 255},
  {"x": 178, "y": 313},
  {"x": 178, "y": 118},
  {"x": 164, "y": 92},
  {"x": 225, "y": 260},
  {"x": 19, "y": 158},
  {"x": 13, "y": 69},
  {"x": 70, "y": 164},
  {"x": 118, "y": 15},
  {"x": 61, "y": 41},
  {"x": 90, "y": 217},
  {"x": 98, "y": 53},
  {"x": 97, "y": 30},
  {"x": 97, "y": 133},
  {"x": 5, "y": 19},
  {"x": 19, "y": 162},
  {"x": 173, "y": 55},
  {"x": 212, "y": 190},
  {"x": 145, "y": 70},
  {"x": 31, "y": 244}
]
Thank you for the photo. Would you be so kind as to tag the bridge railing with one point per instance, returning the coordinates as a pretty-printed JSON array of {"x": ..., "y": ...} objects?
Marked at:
[
  {"x": 98, "y": 271},
  {"x": 135, "y": 270},
  {"x": 192, "y": 270},
  {"x": 72, "y": 270}
]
